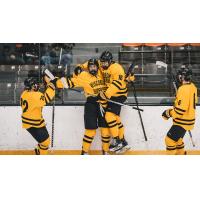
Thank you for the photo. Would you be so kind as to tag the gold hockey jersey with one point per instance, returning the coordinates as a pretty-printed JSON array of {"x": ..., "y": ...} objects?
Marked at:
[
  {"x": 114, "y": 79},
  {"x": 32, "y": 103},
  {"x": 92, "y": 85},
  {"x": 183, "y": 113}
]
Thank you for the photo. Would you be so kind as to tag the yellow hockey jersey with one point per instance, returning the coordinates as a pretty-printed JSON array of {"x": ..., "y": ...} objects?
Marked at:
[
  {"x": 114, "y": 78},
  {"x": 32, "y": 103},
  {"x": 183, "y": 113},
  {"x": 92, "y": 85}
]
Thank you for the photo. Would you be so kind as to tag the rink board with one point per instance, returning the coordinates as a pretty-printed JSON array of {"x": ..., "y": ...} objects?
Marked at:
[{"x": 69, "y": 130}]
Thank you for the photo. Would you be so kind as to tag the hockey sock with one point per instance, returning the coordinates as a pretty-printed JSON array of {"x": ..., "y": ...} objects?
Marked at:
[
  {"x": 170, "y": 146},
  {"x": 105, "y": 138},
  {"x": 121, "y": 128},
  {"x": 87, "y": 139},
  {"x": 111, "y": 120},
  {"x": 180, "y": 147},
  {"x": 43, "y": 147}
]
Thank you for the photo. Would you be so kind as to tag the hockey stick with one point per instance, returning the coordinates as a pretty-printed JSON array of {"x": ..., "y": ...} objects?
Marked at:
[
  {"x": 141, "y": 121},
  {"x": 53, "y": 111},
  {"x": 190, "y": 134},
  {"x": 136, "y": 100},
  {"x": 174, "y": 82},
  {"x": 122, "y": 104}
]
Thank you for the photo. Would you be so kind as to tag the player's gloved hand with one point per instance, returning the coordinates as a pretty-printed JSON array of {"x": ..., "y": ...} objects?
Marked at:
[
  {"x": 130, "y": 77},
  {"x": 78, "y": 70},
  {"x": 166, "y": 114},
  {"x": 54, "y": 81}
]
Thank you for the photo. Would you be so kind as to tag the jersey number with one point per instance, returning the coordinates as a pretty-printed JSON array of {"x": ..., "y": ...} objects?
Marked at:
[{"x": 24, "y": 103}]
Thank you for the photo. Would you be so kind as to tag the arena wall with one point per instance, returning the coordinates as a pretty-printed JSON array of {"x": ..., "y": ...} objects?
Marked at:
[{"x": 69, "y": 129}]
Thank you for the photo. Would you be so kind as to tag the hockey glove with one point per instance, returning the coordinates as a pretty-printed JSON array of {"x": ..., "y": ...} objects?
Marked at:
[
  {"x": 130, "y": 78},
  {"x": 54, "y": 82},
  {"x": 78, "y": 70},
  {"x": 166, "y": 114}
]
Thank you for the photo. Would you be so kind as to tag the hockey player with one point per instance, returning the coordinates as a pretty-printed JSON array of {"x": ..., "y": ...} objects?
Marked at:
[
  {"x": 183, "y": 113},
  {"x": 114, "y": 77},
  {"x": 92, "y": 83},
  {"x": 115, "y": 81},
  {"x": 32, "y": 102}
]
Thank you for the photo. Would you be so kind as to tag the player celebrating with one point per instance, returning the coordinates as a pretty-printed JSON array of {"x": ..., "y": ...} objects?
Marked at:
[
  {"x": 114, "y": 77},
  {"x": 92, "y": 83},
  {"x": 183, "y": 113},
  {"x": 32, "y": 102},
  {"x": 115, "y": 81}
]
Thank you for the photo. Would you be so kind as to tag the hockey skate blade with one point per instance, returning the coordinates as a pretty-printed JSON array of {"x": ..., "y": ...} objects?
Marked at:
[{"x": 123, "y": 150}]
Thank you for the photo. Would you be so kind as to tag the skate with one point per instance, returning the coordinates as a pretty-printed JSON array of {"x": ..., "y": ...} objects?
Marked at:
[
  {"x": 84, "y": 153},
  {"x": 124, "y": 148},
  {"x": 116, "y": 145},
  {"x": 105, "y": 153}
]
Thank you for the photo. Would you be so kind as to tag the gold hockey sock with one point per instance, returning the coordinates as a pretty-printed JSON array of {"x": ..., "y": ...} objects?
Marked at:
[
  {"x": 87, "y": 139},
  {"x": 105, "y": 138},
  {"x": 43, "y": 147},
  {"x": 170, "y": 146},
  {"x": 180, "y": 147},
  {"x": 111, "y": 120},
  {"x": 120, "y": 127}
]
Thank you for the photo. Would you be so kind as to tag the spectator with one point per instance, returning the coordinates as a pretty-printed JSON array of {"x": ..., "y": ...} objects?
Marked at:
[
  {"x": 45, "y": 54},
  {"x": 10, "y": 56},
  {"x": 51, "y": 54},
  {"x": 30, "y": 52}
]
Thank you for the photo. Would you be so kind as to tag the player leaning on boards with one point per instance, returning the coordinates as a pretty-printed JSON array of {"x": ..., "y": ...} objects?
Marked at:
[
  {"x": 115, "y": 81},
  {"x": 92, "y": 83},
  {"x": 32, "y": 102},
  {"x": 183, "y": 113}
]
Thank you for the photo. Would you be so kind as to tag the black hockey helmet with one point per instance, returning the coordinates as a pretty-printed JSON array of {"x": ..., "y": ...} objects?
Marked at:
[
  {"x": 32, "y": 83},
  {"x": 184, "y": 74},
  {"x": 106, "y": 56},
  {"x": 106, "y": 59},
  {"x": 58, "y": 72},
  {"x": 93, "y": 62}
]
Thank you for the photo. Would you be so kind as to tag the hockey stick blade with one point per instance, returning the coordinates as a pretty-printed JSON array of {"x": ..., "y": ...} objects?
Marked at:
[
  {"x": 49, "y": 74},
  {"x": 193, "y": 144}
]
